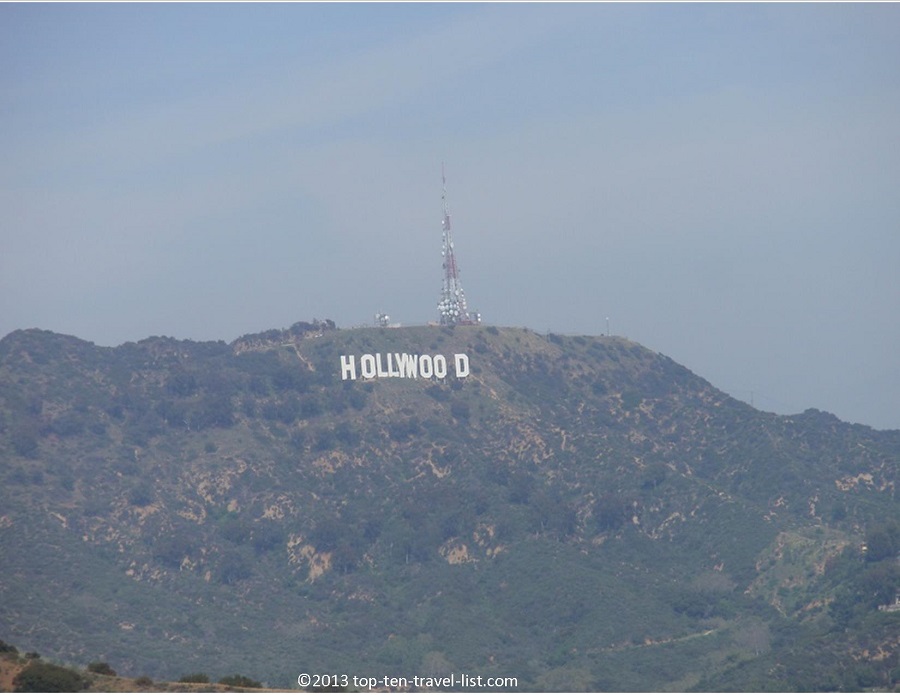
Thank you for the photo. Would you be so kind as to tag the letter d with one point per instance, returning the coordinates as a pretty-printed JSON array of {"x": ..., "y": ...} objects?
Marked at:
[{"x": 462, "y": 365}]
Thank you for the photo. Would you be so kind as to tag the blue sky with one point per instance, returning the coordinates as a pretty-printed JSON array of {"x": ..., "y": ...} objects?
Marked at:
[{"x": 719, "y": 180}]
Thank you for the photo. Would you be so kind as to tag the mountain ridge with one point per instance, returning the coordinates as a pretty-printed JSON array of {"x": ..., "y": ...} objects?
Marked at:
[{"x": 573, "y": 503}]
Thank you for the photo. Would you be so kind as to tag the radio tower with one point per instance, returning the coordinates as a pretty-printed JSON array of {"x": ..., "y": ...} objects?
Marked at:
[{"x": 452, "y": 307}]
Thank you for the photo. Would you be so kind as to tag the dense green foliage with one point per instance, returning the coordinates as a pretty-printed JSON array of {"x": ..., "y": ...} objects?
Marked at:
[
  {"x": 40, "y": 677},
  {"x": 240, "y": 681},
  {"x": 579, "y": 513},
  {"x": 101, "y": 667},
  {"x": 194, "y": 678}
]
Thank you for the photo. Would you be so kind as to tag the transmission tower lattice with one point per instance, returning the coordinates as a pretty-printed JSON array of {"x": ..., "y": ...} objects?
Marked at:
[{"x": 452, "y": 307}]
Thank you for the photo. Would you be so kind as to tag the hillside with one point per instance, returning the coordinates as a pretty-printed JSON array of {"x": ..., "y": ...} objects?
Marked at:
[
  {"x": 30, "y": 673},
  {"x": 579, "y": 513}
]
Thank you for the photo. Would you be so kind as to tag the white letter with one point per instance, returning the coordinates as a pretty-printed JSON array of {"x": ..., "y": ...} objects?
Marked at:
[
  {"x": 440, "y": 367},
  {"x": 392, "y": 371},
  {"x": 462, "y": 365},
  {"x": 381, "y": 370},
  {"x": 367, "y": 366},
  {"x": 348, "y": 367},
  {"x": 426, "y": 367},
  {"x": 409, "y": 366}
]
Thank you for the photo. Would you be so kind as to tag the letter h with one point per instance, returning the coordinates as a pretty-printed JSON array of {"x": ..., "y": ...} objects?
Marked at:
[{"x": 348, "y": 367}]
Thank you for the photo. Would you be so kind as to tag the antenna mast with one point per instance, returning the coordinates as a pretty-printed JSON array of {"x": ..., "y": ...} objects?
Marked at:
[{"x": 452, "y": 307}]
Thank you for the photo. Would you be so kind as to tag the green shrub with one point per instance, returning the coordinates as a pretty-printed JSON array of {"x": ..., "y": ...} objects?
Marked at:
[
  {"x": 460, "y": 410},
  {"x": 144, "y": 681},
  {"x": 631, "y": 400},
  {"x": 101, "y": 667},
  {"x": 194, "y": 678},
  {"x": 24, "y": 439},
  {"x": 141, "y": 494},
  {"x": 610, "y": 512},
  {"x": 233, "y": 567},
  {"x": 39, "y": 677},
  {"x": 171, "y": 550}
]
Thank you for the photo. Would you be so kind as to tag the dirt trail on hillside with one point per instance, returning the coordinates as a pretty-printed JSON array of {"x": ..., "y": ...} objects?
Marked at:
[{"x": 9, "y": 669}]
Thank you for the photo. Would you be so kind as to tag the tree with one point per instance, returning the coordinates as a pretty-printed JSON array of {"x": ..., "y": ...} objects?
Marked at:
[
  {"x": 173, "y": 548},
  {"x": 141, "y": 494},
  {"x": 212, "y": 411},
  {"x": 181, "y": 383},
  {"x": 610, "y": 512},
  {"x": 880, "y": 584},
  {"x": 882, "y": 541},
  {"x": 39, "y": 677},
  {"x": 460, "y": 410},
  {"x": 24, "y": 438},
  {"x": 266, "y": 535},
  {"x": 551, "y": 513},
  {"x": 233, "y": 567},
  {"x": 101, "y": 667}
]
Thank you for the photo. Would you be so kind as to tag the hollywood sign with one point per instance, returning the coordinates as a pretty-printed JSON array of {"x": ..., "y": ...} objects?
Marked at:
[{"x": 403, "y": 366}]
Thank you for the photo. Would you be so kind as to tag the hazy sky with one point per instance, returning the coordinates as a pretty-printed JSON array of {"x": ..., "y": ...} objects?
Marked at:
[{"x": 721, "y": 181}]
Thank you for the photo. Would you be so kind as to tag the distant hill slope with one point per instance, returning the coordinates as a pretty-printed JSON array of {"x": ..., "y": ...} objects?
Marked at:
[
  {"x": 32, "y": 674},
  {"x": 579, "y": 513}
]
